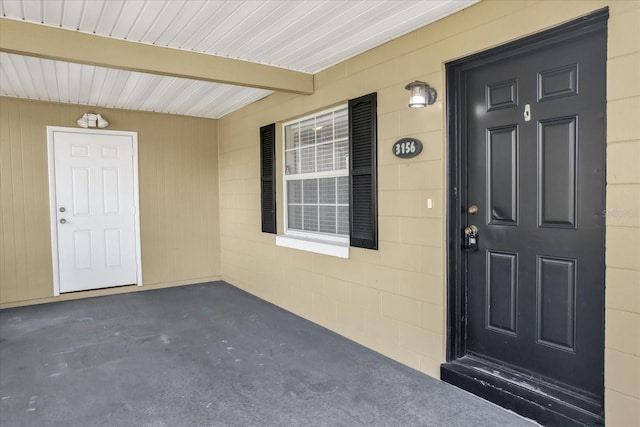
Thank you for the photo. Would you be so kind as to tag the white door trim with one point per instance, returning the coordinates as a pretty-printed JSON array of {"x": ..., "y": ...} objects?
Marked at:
[{"x": 52, "y": 197}]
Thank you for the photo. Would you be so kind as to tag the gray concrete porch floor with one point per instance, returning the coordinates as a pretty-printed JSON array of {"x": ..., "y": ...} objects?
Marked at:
[{"x": 208, "y": 355}]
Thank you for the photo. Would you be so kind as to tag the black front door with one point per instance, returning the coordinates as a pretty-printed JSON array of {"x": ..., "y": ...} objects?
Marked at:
[{"x": 531, "y": 226}]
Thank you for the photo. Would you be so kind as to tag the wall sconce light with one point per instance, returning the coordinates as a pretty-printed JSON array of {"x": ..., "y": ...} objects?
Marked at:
[
  {"x": 90, "y": 120},
  {"x": 421, "y": 94}
]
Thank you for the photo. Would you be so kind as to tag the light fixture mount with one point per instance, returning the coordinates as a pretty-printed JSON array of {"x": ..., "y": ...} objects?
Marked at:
[{"x": 421, "y": 94}]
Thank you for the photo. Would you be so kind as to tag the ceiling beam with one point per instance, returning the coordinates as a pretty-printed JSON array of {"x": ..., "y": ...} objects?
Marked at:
[{"x": 42, "y": 41}]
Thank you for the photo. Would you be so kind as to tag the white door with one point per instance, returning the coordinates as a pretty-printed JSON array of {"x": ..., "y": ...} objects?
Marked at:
[{"x": 94, "y": 208}]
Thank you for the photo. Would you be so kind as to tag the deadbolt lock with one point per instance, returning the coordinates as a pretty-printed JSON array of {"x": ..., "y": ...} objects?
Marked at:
[
  {"x": 473, "y": 209},
  {"x": 471, "y": 230},
  {"x": 470, "y": 239},
  {"x": 62, "y": 209}
]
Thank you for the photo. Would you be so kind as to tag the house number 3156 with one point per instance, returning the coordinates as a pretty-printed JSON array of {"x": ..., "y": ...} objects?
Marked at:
[{"x": 407, "y": 147}]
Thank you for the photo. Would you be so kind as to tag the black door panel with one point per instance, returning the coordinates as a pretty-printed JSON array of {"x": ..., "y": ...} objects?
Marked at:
[
  {"x": 526, "y": 226},
  {"x": 535, "y": 170}
]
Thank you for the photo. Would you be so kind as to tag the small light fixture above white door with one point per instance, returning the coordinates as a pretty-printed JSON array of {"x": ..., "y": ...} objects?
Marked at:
[
  {"x": 421, "y": 94},
  {"x": 91, "y": 120}
]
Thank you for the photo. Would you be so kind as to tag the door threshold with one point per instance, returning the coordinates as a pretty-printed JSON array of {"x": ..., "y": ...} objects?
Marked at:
[
  {"x": 534, "y": 398},
  {"x": 99, "y": 289}
]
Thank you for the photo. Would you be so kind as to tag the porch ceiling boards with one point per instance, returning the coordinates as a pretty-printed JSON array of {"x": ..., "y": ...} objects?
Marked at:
[{"x": 191, "y": 57}]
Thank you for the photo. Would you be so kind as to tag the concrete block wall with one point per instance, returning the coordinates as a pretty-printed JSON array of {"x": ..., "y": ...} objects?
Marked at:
[{"x": 393, "y": 300}]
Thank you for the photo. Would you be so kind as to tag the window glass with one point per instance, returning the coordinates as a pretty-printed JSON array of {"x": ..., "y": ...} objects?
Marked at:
[{"x": 316, "y": 174}]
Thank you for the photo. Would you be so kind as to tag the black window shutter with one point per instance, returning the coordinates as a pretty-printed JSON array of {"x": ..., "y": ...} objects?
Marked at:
[
  {"x": 363, "y": 195},
  {"x": 268, "y": 177}
]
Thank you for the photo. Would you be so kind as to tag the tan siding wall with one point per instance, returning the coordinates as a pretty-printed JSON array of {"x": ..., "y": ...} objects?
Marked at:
[
  {"x": 622, "y": 321},
  {"x": 392, "y": 300},
  {"x": 178, "y": 197}
]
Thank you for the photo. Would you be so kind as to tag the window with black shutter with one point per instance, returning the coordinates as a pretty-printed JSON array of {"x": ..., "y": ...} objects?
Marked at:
[
  {"x": 267, "y": 177},
  {"x": 330, "y": 191}
]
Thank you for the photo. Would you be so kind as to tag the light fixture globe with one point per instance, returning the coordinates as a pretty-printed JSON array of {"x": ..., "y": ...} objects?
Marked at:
[
  {"x": 421, "y": 94},
  {"x": 102, "y": 123},
  {"x": 83, "y": 121}
]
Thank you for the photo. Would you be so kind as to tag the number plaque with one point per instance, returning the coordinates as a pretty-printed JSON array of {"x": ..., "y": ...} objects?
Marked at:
[{"x": 406, "y": 148}]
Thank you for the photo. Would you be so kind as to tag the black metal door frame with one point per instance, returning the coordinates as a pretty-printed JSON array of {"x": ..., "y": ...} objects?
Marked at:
[{"x": 559, "y": 406}]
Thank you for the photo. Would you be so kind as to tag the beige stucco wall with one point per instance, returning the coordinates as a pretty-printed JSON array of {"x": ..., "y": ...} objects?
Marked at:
[
  {"x": 393, "y": 300},
  {"x": 178, "y": 182}
]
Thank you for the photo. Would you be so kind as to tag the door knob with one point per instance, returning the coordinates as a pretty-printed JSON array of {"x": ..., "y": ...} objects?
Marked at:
[
  {"x": 63, "y": 221},
  {"x": 473, "y": 209}
]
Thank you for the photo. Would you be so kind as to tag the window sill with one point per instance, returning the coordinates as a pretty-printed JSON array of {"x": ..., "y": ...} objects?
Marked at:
[{"x": 319, "y": 246}]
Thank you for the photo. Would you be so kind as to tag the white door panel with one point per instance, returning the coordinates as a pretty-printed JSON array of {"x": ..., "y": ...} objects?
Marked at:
[{"x": 95, "y": 209}]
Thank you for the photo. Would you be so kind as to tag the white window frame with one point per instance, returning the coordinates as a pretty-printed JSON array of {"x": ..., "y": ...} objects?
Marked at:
[{"x": 318, "y": 242}]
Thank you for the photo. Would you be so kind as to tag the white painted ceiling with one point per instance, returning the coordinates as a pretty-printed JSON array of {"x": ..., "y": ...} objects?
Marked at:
[{"x": 302, "y": 35}]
